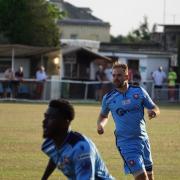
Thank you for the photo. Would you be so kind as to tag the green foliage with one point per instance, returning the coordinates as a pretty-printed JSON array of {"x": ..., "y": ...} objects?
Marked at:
[
  {"x": 141, "y": 34},
  {"x": 178, "y": 59},
  {"x": 30, "y": 22}
]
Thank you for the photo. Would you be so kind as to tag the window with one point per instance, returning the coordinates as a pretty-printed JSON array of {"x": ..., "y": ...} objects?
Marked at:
[{"x": 70, "y": 70}]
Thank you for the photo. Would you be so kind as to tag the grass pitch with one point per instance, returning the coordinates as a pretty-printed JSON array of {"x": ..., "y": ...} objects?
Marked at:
[{"x": 21, "y": 138}]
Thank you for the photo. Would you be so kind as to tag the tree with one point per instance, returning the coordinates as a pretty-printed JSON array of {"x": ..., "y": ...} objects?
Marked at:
[
  {"x": 142, "y": 33},
  {"x": 178, "y": 59},
  {"x": 30, "y": 22}
]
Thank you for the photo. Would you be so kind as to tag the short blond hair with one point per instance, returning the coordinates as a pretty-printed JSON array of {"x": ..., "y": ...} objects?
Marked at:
[{"x": 121, "y": 65}]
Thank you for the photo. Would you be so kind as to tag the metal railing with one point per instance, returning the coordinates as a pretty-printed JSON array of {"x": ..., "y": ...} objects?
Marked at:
[{"x": 32, "y": 89}]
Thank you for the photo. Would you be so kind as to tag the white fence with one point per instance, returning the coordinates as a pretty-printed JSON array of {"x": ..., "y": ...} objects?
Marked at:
[{"x": 70, "y": 89}]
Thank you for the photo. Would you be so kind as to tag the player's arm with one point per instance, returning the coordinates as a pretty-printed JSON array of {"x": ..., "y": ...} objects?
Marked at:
[
  {"x": 101, "y": 122},
  {"x": 49, "y": 169},
  {"x": 152, "y": 113},
  {"x": 84, "y": 161}
]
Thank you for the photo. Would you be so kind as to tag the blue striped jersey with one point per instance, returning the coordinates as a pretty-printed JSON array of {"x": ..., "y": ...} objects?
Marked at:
[{"x": 77, "y": 158}]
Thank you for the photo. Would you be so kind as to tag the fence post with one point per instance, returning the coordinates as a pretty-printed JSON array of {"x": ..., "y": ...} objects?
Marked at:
[{"x": 86, "y": 91}]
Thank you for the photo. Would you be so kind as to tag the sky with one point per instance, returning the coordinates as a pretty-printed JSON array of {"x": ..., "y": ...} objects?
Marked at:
[{"x": 126, "y": 15}]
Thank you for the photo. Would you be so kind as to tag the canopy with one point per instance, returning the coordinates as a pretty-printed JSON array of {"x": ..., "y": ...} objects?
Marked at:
[
  {"x": 24, "y": 50},
  {"x": 17, "y": 50}
]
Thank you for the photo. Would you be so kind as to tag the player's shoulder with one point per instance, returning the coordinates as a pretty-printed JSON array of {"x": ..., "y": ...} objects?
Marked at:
[
  {"x": 80, "y": 143},
  {"x": 47, "y": 144},
  {"x": 110, "y": 94},
  {"x": 75, "y": 138},
  {"x": 134, "y": 86},
  {"x": 137, "y": 89}
]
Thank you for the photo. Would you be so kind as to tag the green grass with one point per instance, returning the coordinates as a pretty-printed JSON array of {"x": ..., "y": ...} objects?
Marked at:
[{"x": 21, "y": 138}]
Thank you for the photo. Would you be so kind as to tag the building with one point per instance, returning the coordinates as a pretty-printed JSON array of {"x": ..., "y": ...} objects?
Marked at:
[
  {"x": 79, "y": 23},
  {"x": 144, "y": 57},
  {"x": 168, "y": 38}
]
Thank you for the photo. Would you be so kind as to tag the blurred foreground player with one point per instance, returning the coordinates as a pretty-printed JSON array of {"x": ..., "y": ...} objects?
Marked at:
[
  {"x": 127, "y": 103},
  {"x": 70, "y": 152}
]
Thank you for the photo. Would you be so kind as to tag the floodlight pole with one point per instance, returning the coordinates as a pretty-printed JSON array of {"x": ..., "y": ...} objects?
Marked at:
[
  {"x": 12, "y": 61},
  {"x": 164, "y": 12}
]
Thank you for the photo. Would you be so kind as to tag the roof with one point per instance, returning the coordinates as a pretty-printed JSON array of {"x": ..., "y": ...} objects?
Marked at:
[
  {"x": 133, "y": 48},
  {"x": 74, "y": 12},
  {"x": 78, "y": 15},
  {"x": 145, "y": 46},
  {"x": 83, "y": 52},
  {"x": 6, "y": 50},
  {"x": 169, "y": 25},
  {"x": 83, "y": 22}
]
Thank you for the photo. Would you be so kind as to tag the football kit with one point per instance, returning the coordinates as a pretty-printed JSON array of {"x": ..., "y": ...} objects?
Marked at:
[
  {"x": 132, "y": 141},
  {"x": 78, "y": 158}
]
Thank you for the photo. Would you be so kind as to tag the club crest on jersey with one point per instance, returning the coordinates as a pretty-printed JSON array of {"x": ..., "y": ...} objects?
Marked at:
[
  {"x": 131, "y": 162},
  {"x": 126, "y": 101},
  {"x": 136, "y": 96},
  {"x": 63, "y": 163}
]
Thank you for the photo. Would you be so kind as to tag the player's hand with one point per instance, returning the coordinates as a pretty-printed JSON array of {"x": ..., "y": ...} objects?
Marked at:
[
  {"x": 100, "y": 129},
  {"x": 151, "y": 114}
]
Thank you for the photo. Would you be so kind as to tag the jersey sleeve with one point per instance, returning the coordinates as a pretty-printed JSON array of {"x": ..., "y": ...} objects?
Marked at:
[
  {"x": 147, "y": 101},
  {"x": 84, "y": 162},
  {"x": 104, "y": 107}
]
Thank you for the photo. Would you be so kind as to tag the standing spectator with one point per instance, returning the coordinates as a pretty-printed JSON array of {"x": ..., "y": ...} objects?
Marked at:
[
  {"x": 41, "y": 77},
  {"x": 126, "y": 104},
  {"x": 159, "y": 77},
  {"x": 136, "y": 78},
  {"x": 19, "y": 74},
  {"x": 108, "y": 73},
  {"x": 100, "y": 76},
  {"x": 72, "y": 153},
  {"x": 130, "y": 75},
  {"x": 8, "y": 83},
  {"x": 172, "y": 76},
  {"x": 41, "y": 74}
]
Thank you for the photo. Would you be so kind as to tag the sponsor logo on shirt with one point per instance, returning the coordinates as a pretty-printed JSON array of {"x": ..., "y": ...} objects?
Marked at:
[
  {"x": 120, "y": 111},
  {"x": 126, "y": 101},
  {"x": 136, "y": 96}
]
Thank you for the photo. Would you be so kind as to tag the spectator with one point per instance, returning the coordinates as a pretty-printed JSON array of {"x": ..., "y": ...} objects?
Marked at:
[
  {"x": 8, "y": 83},
  {"x": 136, "y": 78},
  {"x": 100, "y": 76},
  {"x": 41, "y": 77},
  {"x": 159, "y": 77},
  {"x": 108, "y": 73},
  {"x": 130, "y": 75},
  {"x": 41, "y": 74},
  {"x": 172, "y": 76},
  {"x": 9, "y": 74},
  {"x": 19, "y": 74}
]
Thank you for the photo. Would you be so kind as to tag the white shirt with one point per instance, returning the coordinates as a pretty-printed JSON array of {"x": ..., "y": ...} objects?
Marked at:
[
  {"x": 41, "y": 75},
  {"x": 108, "y": 73},
  {"x": 159, "y": 77}
]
